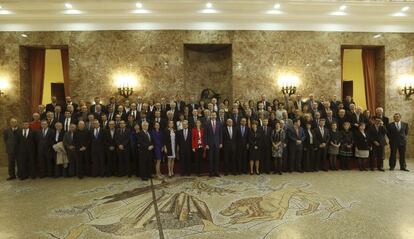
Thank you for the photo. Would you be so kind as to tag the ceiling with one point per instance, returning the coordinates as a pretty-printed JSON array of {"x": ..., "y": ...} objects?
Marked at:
[{"x": 313, "y": 15}]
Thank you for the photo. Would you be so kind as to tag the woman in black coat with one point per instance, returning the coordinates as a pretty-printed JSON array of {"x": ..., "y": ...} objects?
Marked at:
[
  {"x": 309, "y": 147},
  {"x": 255, "y": 147},
  {"x": 361, "y": 146}
]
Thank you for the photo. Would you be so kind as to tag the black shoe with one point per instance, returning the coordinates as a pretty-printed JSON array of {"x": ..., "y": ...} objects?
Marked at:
[
  {"x": 280, "y": 173},
  {"x": 372, "y": 169},
  {"x": 391, "y": 169},
  {"x": 217, "y": 175},
  {"x": 257, "y": 173},
  {"x": 251, "y": 173},
  {"x": 11, "y": 178},
  {"x": 381, "y": 169},
  {"x": 406, "y": 170}
]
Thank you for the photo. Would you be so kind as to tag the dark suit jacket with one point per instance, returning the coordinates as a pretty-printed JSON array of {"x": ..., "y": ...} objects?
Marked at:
[
  {"x": 44, "y": 144},
  {"x": 92, "y": 108},
  {"x": 398, "y": 137},
  {"x": 184, "y": 145},
  {"x": 143, "y": 143},
  {"x": 293, "y": 137},
  {"x": 50, "y": 107},
  {"x": 11, "y": 140},
  {"x": 320, "y": 139},
  {"x": 123, "y": 138},
  {"x": 81, "y": 138},
  {"x": 242, "y": 140},
  {"x": 267, "y": 138},
  {"x": 97, "y": 144},
  {"x": 230, "y": 143},
  {"x": 377, "y": 135},
  {"x": 26, "y": 146},
  {"x": 213, "y": 138},
  {"x": 360, "y": 141}
]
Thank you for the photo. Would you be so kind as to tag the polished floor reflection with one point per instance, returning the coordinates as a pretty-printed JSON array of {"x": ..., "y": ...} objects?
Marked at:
[{"x": 348, "y": 204}]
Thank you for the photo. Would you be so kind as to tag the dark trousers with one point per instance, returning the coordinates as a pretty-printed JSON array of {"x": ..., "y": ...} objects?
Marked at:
[
  {"x": 23, "y": 166},
  {"x": 81, "y": 161},
  {"x": 198, "y": 158},
  {"x": 111, "y": 165},
  {"x": 309, "y": 159},
  {"x": 124, "y": 162},
  {"x": 393, "y": 155},
  {"x": 229, "y": 160},
  {"x": 98, "y": 163},
  {"x": 345, "y": 162},
  {"x": 285, "y": 159},
  {"x": 267, "y": 159},
  {"x": 376, "y": 157},
  {"x": 185, "y": 161},
  {"x": 295, "y": 157},
  {"x": 242, "y": 156},
  {"x": 45, "y": 163},
  {"x": 72, "y": 163},
  {"x": 213, "y": 158},
  {"x": 321, "y": 155},
  {"x": 145, "y": 158},
  {"x": 11, "y": 157},
  {"x": 277, "y": 165}
]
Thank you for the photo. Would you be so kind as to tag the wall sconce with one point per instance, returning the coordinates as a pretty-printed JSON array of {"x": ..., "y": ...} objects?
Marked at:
[
  {"x": 407, "y": 86},
  {"x": 125, "y": 84},
  {"x": 3, "y": 86},
  {"x": 288, "y": 84}
]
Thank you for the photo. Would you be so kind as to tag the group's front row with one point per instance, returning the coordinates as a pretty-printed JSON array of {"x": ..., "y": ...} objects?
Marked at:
[{"x": 122, "y": 151}]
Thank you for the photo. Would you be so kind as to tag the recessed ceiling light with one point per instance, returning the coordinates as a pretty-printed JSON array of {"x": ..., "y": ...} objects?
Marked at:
[
  {"x": 343, "y": 7},
  {"x": 399, "y": 14},
  {"x": 209, "y": 5},
  {"x": 68, "y": 5},
  {"x": 4, "y": 12},
  {"x": 72, "y": 12},
  {"x": 138, "y": 5},
  {"x": 338, "y": 13},
  {"x": 1, "y": 7},
  {"x": 274, "y": 11},
  {"x": 23, "y": 35},
  {"x": 377, "y": 36},
  {"x": 330, "y": 60},
  {"x": 208, "y": 11},
  {"x": 276, "y": 6},
  {"x": 406, "y": 8},
  {"x": 141, "y": 11}
]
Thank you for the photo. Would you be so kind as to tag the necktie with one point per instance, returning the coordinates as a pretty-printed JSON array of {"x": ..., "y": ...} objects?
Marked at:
[
  {"x": 185, "y": 134},
  {"x": 322, "y": 131},
  {"x": 231, "y": 133},
  {"x": 265, "y": 130},
  {"x": 96, "y": 133},
  {"x": 214, "y": 126},
  {"x": 242, "y": 130},
  {"x": 297, "y": 132},
  {"x": 148, "y": 135},
  {"x": 44, "y": 133},
  {"x": 122, "y": 131},
  {"x": 26, "y": 133}
]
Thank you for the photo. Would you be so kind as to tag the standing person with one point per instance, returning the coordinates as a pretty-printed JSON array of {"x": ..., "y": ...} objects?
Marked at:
[
  {"x": 158, "y": 141},
  {"x": 98, "y": 150},
  {"x": 398, "y": 134},
  {"x": 309, "y": 148},
  {"x": 198, "y": 145},
  {"x": 267, "y": 146},
  {"x": 376, "y": 135},
  {"x": 134, "y": 149},
  {"x": 122, "y": 147},
  {"x": 26, "y": 164},
  {"x": 170, "y": 146},
  {"x": 10, "y": 136},
  {"x": 361, "y": 146},
  {"x": 145, "y": 151},
  {"x": 44, "y": 141},
  {"x": 347, "y": 143},
  {"x": 70, "y": 147},
  {"x": 213, "y": 139},
  {"x": 229, "y": 147},
  {"x": 184, "y": 149},
  {"x": 242, "y": 146},
  {"x": 82, "y": 140},
  {"x": 295, "y": 136},
  {"x": 60, "y": 168},
  {"x": 334, "y": 144},
  {"x": 255, "y": 148},
  {"x": 322, "y": 139},
  {"x": 278, "y": 145}
]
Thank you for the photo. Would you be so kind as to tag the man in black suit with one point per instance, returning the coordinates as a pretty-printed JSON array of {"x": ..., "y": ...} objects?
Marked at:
[
  {"x": 179, "y": 104},
  {"x": 68, "y": 101},
  {"x": 263, "y": 101},
  {"x": 376, "y": 137},
  {"x": 193, "y": 118},
  {"x": 145, "y": 151},
  {"x": 158, "y": 119},
  {"x": 98, "y": 150},
  {"x": 110, "y": 149},
  {"x": 267, "y": 146},
  {"x": 242, "y": 144},
  {"x": 82, "y": 142},
  {"x": 322, "y": 141},
  {"x": 357, "y": 117},
  {"x": 44, "y": 140},
  {"x": 70, "y": 147},
  {"x": 213, "y": 140},
  {"x": 397, "y": 134},
  {"x": 97, "y": 101},
  {"x": 379, "y": 113},
  {"x": 58, "y": 169},
  {"x": 51, "y": 106},
  {"x": 184, "y": 149},
  {"x": 122, "y": 140},
  {"x": 341, "y": 119},
  {"x": 68, "y": 120},
  {"x": 230, "y": 148},
  {"x": 26, "y": 164},
  {"x": 11, "y": 141},
  {"x": 295, "y": 136},
  {"x": 235, "y": 116},
  {"x": 58, "y": 115}
]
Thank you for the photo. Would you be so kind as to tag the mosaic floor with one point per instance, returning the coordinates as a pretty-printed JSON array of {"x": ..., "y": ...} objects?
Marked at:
[{"x": 347, "y": 204}]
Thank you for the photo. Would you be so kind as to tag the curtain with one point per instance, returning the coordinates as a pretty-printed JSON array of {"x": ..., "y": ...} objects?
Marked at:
[
  {"x": 368, "y": 64},
  {"x": 65, "y": 65},
  {"x": 37, "y": 72},
  {"x": 342, "y": 74}
]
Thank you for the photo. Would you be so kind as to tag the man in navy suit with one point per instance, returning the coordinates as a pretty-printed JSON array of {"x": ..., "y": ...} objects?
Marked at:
[
  {"x": 213, "y": 141},
  {"x": 98, "y": 150},
  {"x": 183, "y": 139},
  {"x": 397, "y": 134},
  {"x": 295, "y": 136}
]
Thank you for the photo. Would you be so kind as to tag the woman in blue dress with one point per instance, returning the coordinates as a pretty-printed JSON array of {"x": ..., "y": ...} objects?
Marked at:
[{"x": 157, "y": 136}]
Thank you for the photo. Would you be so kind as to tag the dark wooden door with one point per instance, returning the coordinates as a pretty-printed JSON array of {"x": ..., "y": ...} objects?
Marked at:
[
  {"x": 58, "y": 90},
  {"x": 347, "y": 89}
]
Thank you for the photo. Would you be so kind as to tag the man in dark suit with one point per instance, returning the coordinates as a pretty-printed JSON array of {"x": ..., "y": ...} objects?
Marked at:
[
  {"x": 97, "y": 150},
  {"x": 82, "y": 141},
  {"x": 68, "y": 101},
  {"x": 242, "y": 143},
  {"x": 298, "y": 102},
  {"x": 184, "y": 149},
  {"x": 11, "y": 141},
  {"x": 213, "y": 140},
  {"x": 58, "y": 169},
  {"x": 379, "y": 113},
  {"x": 267, "y": 146},
  {"x": 44, "y": 140},
  {"x": 263, "y": 101},
  {"x": 58, "y": 115},
  {"x": 122, "y": 140},
  {"x": 97, "y": 101},
  {"x": 376, "y": 138},
  {"x": 295, "y": 136},
  {"x": 158, "y": 119},
  {"x": 397, "y": 134},
  {"x": 322, "y": 141},
  {"x": 68, "y": 120},
  {"x": 70, "y": 147},
  {"x": 193, "y": 118},
  {"x": 110, "y": 149},
  {"x": 341, "y": 119},
  {"x": 230, "y": 148},
  {"x": 145, "y": 151},
  {"x": 51, "y": 106},
  {"x": 179, "y": 104},
  {"x": 356, "y": 118},
  {"x": 26, "y": 164},
  {"x": 235, "y": 116}
]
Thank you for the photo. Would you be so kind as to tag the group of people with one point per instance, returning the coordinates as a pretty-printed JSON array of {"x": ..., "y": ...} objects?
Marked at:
[{"x": 133, "y": 137}]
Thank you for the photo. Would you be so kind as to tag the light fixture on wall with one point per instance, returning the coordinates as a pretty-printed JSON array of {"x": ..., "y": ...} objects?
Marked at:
[
  {"x": 3, "y": 86},
  {"x": 407, "y": 85},
  {"x": 288, "y": 83},
  {"x": 125, "y": 83}
]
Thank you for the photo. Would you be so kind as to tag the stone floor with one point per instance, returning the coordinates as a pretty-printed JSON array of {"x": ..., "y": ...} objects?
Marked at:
[{"x": 344, "y": 204}]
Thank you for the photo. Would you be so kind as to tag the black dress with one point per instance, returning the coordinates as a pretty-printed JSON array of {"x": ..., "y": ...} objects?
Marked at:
[{"x": 255, "y": 145}]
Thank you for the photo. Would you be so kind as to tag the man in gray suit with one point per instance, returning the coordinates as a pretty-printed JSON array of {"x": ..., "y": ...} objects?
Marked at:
[
  {"x": 10, "y": 140},
  {"x": 397, "y": 134}
]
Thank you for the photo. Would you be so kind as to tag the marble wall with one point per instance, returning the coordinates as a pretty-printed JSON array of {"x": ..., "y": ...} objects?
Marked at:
[{"x": 258, "y": 58}]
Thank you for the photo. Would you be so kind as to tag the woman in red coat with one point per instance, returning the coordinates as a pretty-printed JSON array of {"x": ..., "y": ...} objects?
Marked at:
[{"x": 198, "y": 145}]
